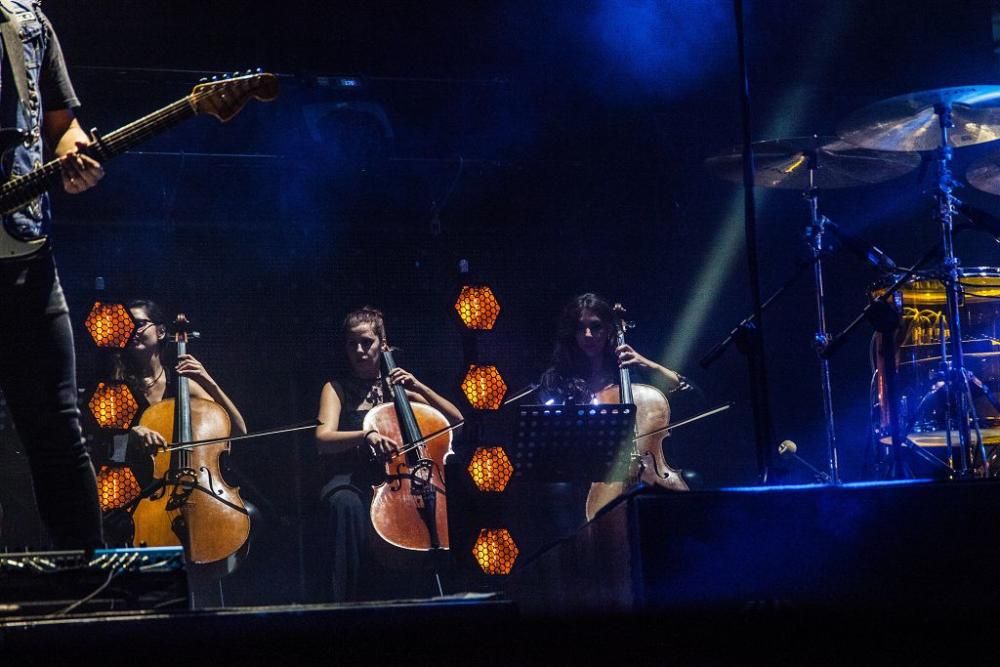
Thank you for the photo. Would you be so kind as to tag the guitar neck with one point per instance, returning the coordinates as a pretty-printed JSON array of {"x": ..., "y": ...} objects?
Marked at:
[{"x": 22, "y": 190}]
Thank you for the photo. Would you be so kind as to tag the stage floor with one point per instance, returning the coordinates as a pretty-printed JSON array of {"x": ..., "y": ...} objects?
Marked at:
[
  {"x": 478, "y": 630},
  {"x": 805, "y": 574}
]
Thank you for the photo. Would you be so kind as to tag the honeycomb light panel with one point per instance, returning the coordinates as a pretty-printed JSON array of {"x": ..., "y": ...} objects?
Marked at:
[
  {"x": 495, "y": 550},
  {"x": 490, "y": 469},
  {"x": 484, "y": 387},
  {"x": 116, "y": 487},
  {"x": 113, "y": 406},
  {"x": 478, "y": 307},
  {"x": 110, "y": 325}
]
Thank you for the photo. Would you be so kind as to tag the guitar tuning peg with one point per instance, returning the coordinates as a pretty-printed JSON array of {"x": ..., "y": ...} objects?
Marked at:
[
  {"x": 215, "y": 78},
  {"x": 259, "y": 70},
  {"x": 203, "y": 79}
]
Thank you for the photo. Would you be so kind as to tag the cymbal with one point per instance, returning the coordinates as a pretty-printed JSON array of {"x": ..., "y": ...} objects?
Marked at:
[
  {"x": 911, "y": 123},
  {"x": 784, "y": 163},
  {"x": 984, "y": 174}
]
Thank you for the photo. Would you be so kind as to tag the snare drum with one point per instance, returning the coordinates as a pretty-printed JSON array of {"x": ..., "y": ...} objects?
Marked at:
[{"x": 922, "y": 305}]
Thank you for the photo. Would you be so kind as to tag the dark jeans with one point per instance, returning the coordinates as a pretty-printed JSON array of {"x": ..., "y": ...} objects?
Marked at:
[{"x": 38, "y": 378}]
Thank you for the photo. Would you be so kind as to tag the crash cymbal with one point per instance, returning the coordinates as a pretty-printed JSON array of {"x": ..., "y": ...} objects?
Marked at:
[
  {"x": 910, "y": 122},
  {"x": 984, "y": 174},
  {"x": 784, "y": 163}
]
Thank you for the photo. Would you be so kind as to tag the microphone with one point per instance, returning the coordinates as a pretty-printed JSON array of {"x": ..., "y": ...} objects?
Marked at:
[
  {"x": 866, "y": 251},
  {"x": 789, "y": 448}
]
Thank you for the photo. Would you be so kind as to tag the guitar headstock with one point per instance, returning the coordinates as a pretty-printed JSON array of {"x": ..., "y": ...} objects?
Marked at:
[{"x": 226, "y": 97}]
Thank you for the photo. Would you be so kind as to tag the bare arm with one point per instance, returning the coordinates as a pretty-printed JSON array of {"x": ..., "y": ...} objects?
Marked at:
[
  {"x": 627, "y": 356},
  {"x": 331, "y": 440},
  {"x": 424, "y": 394},
  {"x": 204, "y": 386},
  {"x": 63, "y": 133}
]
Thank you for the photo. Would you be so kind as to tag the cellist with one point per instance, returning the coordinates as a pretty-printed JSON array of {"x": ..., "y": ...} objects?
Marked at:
[
  {"x": 354, "y": 457},
  {"x": 143, "y": 366},
  {"x": 586, "y": 360},
  {"x": 589, "y": 365}
]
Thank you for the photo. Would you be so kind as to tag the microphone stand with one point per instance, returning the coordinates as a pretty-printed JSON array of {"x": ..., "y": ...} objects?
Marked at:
[
  {"x": 754, "y": 343},
  {"x": 814, "y": 235},
  {"x": 819, "y": 225},
  {"x": 957, "y": 383},
  {"x": 739, "y": 333}
]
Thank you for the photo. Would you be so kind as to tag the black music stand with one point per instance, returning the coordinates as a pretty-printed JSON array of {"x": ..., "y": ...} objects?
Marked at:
[{"x": 573, "y": 443}]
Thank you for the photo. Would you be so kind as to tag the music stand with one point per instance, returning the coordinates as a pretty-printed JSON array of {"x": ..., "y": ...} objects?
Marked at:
[{"x": 579, "y": 443}]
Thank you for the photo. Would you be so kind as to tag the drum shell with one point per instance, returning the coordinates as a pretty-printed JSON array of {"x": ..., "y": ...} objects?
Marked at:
[{"x": 922, "y": 303}]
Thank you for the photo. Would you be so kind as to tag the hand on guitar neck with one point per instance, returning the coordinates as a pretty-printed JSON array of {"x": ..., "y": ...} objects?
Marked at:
[{"x": 80, "y": 171}]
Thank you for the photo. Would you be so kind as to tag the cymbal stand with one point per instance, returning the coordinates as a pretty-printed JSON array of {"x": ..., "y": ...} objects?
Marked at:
[
  {"x": 959, "y": 394},
  {"x": 815, "y": 234}
]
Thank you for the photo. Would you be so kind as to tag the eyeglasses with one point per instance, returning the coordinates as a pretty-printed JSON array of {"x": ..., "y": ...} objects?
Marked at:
[{"x": 142, "y": 325}]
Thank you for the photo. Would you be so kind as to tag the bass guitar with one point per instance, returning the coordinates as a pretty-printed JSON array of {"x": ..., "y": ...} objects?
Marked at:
[{"x": 222, "y": 99}]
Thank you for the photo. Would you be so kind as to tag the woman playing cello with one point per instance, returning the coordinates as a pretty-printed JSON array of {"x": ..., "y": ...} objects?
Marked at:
[
  {"x": 586, "y": 359},
  {"x": 592, "y": 363},
  {"x": 354, "y": 455},
  {"x": 142, "y": 366}
]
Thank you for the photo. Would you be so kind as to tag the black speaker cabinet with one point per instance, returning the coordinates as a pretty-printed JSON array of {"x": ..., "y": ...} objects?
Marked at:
[{"x": 932, "y": 545}]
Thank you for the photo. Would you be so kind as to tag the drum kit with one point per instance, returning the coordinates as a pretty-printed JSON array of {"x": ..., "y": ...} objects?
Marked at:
[{"x": 937, "y": 341}]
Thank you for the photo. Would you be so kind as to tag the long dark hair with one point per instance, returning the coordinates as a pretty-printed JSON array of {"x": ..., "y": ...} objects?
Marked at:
[{"x": 566, "y": 379}]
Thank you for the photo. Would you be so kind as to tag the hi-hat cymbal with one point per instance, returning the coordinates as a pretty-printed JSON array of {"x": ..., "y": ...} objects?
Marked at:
[
  {"x": 911, "y": 123},
  {"x": 784, "y": 163},
  {"x": 984, "y": 174}
]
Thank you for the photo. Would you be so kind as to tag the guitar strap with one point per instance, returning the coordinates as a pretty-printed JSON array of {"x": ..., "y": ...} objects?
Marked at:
[{"x": 10, "y": 30}]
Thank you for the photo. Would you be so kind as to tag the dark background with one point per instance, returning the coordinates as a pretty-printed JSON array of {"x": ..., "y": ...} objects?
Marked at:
[{"x": 556, "y": 146}]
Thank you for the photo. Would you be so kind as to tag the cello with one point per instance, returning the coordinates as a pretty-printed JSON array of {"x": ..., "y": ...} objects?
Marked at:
[
  {"x": 191, "y": 503},
  {"x": 409, "y": 509},
  {"x": 647, "y": 464}
]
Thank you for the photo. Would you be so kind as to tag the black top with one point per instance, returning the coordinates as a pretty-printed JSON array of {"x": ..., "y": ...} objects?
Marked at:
[{"x": 355, "y": 467}]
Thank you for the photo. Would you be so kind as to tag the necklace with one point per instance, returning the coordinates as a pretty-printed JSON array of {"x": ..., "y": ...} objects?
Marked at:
[
  {"x": 369, "y": 390},
  {"x": 148, "y": 384}
]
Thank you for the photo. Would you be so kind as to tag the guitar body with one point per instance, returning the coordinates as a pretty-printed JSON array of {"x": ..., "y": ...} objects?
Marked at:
[
  {"x": 10, "y": 245},
  {"x": 222, "y": 99}
]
